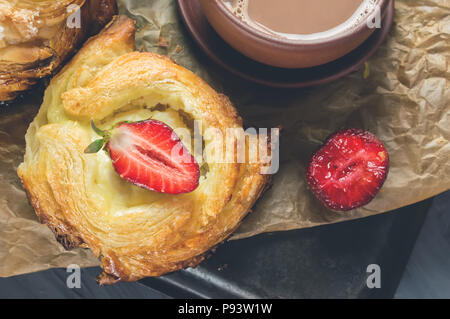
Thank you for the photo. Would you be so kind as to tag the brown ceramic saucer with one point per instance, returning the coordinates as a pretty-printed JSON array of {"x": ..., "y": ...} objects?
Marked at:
[{"x": 238, "y": 64}]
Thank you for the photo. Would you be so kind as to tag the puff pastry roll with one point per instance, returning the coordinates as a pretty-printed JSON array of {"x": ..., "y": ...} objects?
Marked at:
[
  {"x": 36, "y": 36},
  {"x": 135, "y": 232}
]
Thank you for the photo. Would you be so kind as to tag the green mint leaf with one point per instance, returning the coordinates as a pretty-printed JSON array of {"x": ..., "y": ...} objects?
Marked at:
[
  {"x": 95, "y": 147},
  {"x": 97, "y": 130}
]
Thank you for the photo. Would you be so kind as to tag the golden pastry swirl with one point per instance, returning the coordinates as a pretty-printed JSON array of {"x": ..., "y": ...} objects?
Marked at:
[
  {"x": 36, "y": 36},
  {"x": 135, "y": 232}
]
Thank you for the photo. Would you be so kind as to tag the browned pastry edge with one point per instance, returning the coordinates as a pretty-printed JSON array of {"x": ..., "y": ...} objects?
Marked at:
[
  {"x": 20, "y": 77},
  {"x": 103, "y": 11},
  {"x": 64, "y": 233},
  {"x": 112, "y": 274},
  {"x": 122, "y": 30},
  {"x": 68, "y": 237}
]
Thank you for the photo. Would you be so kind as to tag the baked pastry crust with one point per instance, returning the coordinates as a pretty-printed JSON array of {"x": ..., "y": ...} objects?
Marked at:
[
  {"x": 37, "y": 36},
  {"x": 135, "y": 232}
]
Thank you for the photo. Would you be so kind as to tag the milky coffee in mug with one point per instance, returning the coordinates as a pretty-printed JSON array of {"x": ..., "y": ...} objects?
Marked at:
[{"x": 301, "y": 19}]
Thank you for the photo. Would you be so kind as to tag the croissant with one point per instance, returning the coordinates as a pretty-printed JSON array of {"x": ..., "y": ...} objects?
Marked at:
[
  {"x": 36, "y": 36},
  {"x": 134, "y": 232}
]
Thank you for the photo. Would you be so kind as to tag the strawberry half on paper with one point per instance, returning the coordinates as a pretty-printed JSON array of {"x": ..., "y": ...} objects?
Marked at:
[
  {"x": 349, "y": 169},
  {"x": 150, "y": 155}
]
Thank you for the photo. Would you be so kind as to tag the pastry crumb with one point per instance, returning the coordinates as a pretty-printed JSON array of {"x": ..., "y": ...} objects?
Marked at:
[
  {"x": 222, "y": 267},
  {"x": 366, "y": 70}
]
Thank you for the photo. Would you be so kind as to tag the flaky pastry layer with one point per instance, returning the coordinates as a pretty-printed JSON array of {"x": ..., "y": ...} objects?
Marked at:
[
  {"x": 135, "y": 232},
  {"x": 36, "y": 37}
]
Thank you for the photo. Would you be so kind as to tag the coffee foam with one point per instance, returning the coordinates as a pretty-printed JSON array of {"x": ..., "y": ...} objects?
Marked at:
[{"x": 240, "y": 9}]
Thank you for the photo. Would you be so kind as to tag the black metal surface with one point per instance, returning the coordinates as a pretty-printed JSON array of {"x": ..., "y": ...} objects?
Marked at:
[
  {"x": 322, "y": 262},
  {"x": 51, "y": 284},
  {"x": 427, "y": 274}
]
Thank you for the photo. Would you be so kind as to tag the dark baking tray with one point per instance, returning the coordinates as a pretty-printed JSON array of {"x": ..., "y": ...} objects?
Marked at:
[{"x": 323, "y": 262}]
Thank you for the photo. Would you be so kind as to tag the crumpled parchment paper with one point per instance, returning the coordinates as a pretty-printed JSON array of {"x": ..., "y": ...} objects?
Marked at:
[{"x": 405, "y": 101}]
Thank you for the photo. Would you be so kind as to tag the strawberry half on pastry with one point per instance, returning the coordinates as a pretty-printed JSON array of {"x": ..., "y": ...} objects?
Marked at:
[
  {"x": 349, "y": 169},
  {"x": 150, "y": 155}
]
